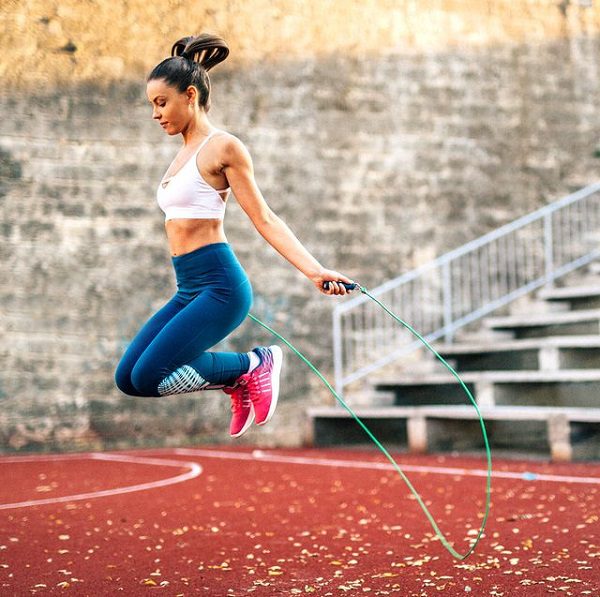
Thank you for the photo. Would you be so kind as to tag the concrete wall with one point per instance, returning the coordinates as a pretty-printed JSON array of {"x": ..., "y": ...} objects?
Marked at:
[
  {"x": 384, "y": 133},
  {"x": 45, "y": 42}
]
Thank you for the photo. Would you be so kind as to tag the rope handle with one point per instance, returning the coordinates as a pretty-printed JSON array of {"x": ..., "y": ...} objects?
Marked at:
[{"x": 344, "y": 284}]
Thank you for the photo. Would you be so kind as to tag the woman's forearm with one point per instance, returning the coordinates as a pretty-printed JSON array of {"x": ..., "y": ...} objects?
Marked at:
[
  {"x": 240, "y": 175},
  {"x": 277, "y": 233}
]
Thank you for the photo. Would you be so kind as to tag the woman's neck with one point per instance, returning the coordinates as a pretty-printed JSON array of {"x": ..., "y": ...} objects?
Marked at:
[{"x": 198, "y": 129}]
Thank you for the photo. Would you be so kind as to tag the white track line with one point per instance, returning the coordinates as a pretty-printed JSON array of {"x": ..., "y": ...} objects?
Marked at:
[
  {"x": 194, "y": 470},
  {"x": 259, "y": 455}
]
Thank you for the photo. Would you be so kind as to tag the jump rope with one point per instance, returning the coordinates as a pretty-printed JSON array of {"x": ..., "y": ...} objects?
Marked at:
[{"x": 382, "y": 448}]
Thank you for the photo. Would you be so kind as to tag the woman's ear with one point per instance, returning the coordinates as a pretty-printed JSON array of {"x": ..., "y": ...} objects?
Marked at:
[{"x": 192, "y": 94}]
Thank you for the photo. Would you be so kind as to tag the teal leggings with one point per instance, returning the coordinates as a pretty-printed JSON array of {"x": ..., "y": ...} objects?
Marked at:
[{"x": 169, "y": 353}]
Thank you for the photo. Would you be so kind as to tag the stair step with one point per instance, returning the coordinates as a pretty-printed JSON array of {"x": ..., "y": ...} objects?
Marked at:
[
  {"x": 559, "y": 388},
  {"x": 564, "y": 375},
  {"x": 513, "y": 321},
  {"x": 585, "y": 296},
  {"x": 569, "y": 292},
  {"x": 584, "y": 321},
  {"x": 522, "y": 344},
  {"x": 428, "y": 427},
  {"x": 508, "y": 413},
  {"x": 545, "y": 353}
]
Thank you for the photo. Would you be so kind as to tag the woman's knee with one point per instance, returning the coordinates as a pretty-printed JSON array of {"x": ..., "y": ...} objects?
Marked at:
[
  {"x": 144, "y": 381},
  {"x": 123, "y": 379}
]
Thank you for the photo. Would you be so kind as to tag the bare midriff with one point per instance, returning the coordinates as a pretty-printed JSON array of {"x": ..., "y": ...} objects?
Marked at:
[{"x": 186, "y": 235}]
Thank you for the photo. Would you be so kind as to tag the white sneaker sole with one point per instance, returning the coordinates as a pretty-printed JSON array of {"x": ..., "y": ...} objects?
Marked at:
[
  {"x": 277, "y": 362},
  {"x": 247, "y": 424}
]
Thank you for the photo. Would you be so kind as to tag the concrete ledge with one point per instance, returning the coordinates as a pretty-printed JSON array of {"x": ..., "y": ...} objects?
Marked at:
[
  {"x": 544, "y": 319},
  {"x": 559, "y": 376},
  {"x": 512, "y": 413},
  {"x": 524, "y": 344},
  {"x": 556, "y": 388},
  {"x": 545, "y": 354},
  {"x": 418, "y": 418},
  {"x": 566, "y": 293}
]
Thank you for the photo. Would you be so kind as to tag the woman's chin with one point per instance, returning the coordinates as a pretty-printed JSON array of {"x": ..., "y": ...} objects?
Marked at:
[{"x": 169, "y": 129}]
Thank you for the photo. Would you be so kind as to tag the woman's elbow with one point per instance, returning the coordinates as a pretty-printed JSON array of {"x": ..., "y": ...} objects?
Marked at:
[{"x": 265, "y": 220}]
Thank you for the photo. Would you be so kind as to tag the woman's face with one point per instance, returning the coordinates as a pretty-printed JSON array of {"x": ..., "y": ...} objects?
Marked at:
[{"x": 172, "y": 109}]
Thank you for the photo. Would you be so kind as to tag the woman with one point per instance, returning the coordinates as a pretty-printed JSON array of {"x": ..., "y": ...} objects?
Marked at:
[{"x": 169, "y": 354}]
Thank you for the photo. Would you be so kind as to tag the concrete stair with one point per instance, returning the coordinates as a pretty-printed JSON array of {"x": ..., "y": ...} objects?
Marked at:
[
  {"x": 545, "y": 354},
  {"x": 580, "y": 297},
  {"x": 438, "y": 427},
  {"x": 533, "y": 325},
  {"x": 570, "y": 387},
  {"x": 534, "y": 374}
]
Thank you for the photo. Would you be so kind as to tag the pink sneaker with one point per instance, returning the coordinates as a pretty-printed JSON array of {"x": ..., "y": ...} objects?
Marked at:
[
  {"x": 241, "y": 408},
  {"x": 263, "y": 383}
]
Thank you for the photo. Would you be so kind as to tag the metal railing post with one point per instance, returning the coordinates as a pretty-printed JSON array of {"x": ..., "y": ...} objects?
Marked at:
[
  {"x": 447, "y": 298},
  {"x": 548, "y": 250}
]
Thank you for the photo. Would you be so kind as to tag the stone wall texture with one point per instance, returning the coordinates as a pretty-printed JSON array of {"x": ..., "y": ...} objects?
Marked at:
[{"x": 383, "y": 132}]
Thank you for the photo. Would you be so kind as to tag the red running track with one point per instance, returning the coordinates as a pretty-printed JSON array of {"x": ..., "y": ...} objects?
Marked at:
[{"x": 231, "y": 521}]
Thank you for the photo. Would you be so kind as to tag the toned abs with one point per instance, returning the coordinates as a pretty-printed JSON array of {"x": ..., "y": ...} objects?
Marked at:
[{"x": 186, "y": 235}]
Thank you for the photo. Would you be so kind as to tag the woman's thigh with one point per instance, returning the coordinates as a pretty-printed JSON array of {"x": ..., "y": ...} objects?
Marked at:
[
  {"x": 140, "y": 343},
  {"x": 201, "y": 324}
]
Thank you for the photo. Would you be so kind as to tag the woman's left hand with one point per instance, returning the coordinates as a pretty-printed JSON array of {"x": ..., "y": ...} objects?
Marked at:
[{"x": 333, "y": 277}]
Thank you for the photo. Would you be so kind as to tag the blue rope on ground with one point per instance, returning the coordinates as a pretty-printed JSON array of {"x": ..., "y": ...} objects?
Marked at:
[{"x": 382, "y": 448}]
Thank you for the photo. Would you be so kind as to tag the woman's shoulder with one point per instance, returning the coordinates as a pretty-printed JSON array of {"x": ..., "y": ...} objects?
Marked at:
[
  {"x": 230, "y": 144},
  {"x": 226, "y": 137}
]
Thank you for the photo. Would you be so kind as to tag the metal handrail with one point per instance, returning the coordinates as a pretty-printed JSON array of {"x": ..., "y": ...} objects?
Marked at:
[{"x": 467, "y": 283}]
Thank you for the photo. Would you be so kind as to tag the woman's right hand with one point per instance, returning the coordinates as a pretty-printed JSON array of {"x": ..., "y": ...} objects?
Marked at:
[{"x": 334, "y": 278}]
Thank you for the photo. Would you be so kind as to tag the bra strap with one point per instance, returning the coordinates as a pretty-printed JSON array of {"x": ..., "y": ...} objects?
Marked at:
[{"x": 206, "y": 140}]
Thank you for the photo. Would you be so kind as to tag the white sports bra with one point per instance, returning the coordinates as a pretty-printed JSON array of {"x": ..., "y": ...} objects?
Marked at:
[{"x": 187, "y": 195}]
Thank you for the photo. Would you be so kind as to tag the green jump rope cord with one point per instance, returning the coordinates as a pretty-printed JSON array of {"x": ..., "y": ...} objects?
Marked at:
[{"x": 395, "y": 465}]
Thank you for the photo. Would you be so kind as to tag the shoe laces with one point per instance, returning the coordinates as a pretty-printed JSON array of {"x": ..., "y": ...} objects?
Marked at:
[{"x": 240, "y": 399}]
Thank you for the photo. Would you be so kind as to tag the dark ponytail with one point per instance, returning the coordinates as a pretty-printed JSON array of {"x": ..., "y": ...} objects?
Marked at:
[{"x": 191, "y": 59}]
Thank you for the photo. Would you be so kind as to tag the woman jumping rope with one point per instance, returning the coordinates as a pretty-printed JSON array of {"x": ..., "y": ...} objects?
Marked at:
[{"x": 169, "y": 355}]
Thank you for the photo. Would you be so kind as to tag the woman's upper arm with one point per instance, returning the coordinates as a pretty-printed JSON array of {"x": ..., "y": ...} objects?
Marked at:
[{"x": 238, "y": 168}]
